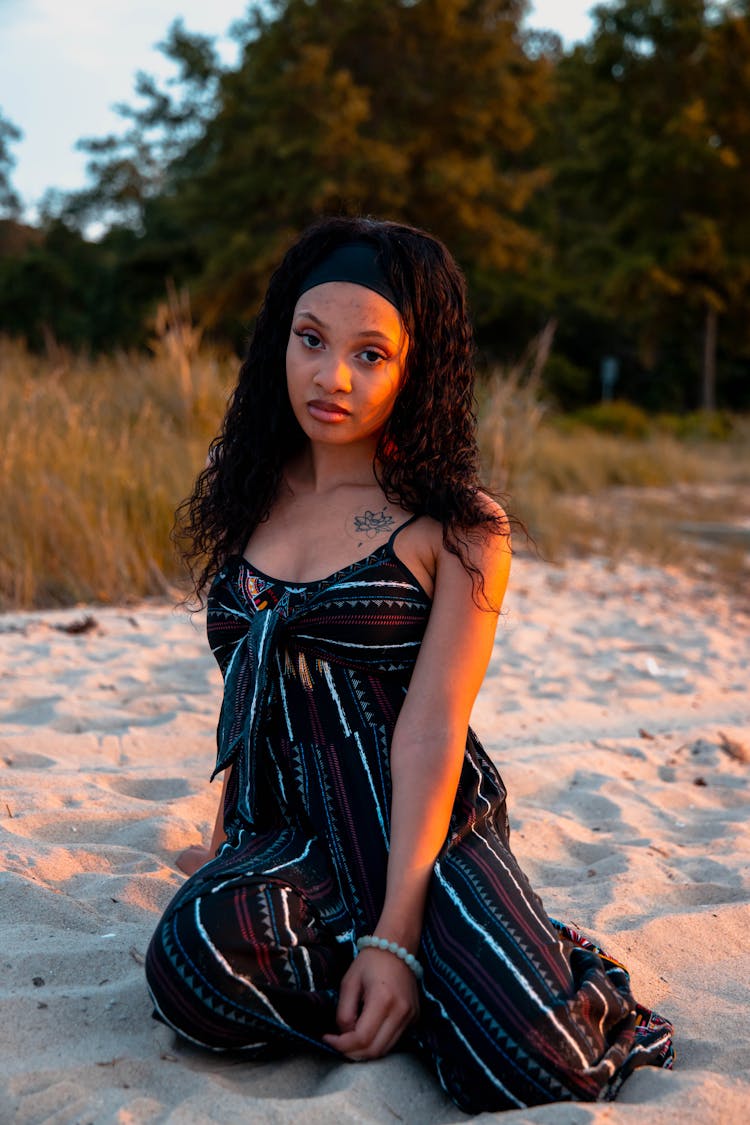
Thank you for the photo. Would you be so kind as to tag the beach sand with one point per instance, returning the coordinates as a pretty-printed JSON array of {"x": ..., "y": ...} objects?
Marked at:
[{"x": 616, "y": 708}]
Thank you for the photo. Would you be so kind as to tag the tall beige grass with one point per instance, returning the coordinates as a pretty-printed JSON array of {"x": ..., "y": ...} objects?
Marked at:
[
  {"x": 579, "y": 491},
  {"x": 96, "y": 454}
]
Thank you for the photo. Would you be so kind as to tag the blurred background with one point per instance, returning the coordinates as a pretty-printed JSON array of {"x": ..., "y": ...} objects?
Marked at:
[{"x": 592, "y": 179}]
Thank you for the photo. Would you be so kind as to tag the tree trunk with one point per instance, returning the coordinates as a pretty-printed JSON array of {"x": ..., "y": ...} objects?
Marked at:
[{"x": 709, "y": 359}]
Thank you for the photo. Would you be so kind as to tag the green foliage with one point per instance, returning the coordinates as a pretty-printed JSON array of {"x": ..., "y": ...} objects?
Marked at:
[
  {"x": 569, "y": 384},
  {"x": 649, "y": 136},
  {"x": 417, "y": 111},
  {"x": 624, "y": 419},
  {"x": 698, "y": 425},
  {"x": 619, "y": 417},
  {"x": 59, "y": 287}
]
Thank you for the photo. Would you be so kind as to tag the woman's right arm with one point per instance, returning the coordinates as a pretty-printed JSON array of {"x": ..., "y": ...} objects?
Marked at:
[{"x": 192, "y": 858}]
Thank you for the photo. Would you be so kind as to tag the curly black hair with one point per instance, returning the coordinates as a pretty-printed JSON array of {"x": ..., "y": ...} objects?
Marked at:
[{"x": 427, "y": 460}]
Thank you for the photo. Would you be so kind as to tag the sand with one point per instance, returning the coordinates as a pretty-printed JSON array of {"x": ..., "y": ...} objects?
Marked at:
[{"x": 616, "y": 708}]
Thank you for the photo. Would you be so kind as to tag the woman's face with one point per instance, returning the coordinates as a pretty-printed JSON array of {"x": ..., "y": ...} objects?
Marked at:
[{"x": 344, "y": 362}]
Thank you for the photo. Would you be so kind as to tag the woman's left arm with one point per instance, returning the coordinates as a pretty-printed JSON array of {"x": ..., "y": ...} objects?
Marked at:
[{"x": 378, "y": 996}]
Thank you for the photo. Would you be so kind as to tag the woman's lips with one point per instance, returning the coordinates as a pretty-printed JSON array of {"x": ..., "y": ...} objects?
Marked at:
[{"x": 327, "y": 411}]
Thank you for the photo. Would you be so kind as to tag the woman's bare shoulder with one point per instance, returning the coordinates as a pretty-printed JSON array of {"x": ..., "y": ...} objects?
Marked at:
[
  {"x": 498, "y": 523},
  {"x": 495, "y": 522},
  {"x": 417, "y": 546},
  {"x": 483, "y": 565},
  {"x": 486, "y": 548}
]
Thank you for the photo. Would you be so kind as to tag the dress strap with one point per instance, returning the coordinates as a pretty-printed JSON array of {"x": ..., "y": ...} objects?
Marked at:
[{"x": 401, "y": 527}]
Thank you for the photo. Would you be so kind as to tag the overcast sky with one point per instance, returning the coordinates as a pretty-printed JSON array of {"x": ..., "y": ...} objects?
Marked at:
[{"x": 63, "y": 63}]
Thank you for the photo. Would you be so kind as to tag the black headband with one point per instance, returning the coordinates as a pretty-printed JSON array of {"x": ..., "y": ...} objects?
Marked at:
[{"x": 356, "y": 262}]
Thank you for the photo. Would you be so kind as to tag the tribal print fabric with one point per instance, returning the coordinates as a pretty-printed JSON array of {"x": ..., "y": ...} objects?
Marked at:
[{"x": 516, "y": 1009}]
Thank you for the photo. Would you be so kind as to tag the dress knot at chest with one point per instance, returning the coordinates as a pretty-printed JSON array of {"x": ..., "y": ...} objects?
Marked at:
[
  {"x": 370, "y": 624},
  {"x": 247, "y": 688}
]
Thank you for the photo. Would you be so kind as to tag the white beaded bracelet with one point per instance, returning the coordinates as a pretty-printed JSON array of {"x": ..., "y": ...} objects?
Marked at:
[{"x": 369, "y": 941}]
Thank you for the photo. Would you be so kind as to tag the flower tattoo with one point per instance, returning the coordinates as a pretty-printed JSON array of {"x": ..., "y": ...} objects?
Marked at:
[{"x": 371, "y": 524}]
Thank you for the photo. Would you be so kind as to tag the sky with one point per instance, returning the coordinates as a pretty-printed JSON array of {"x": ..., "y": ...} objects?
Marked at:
[{"x": 64, "y": 63}]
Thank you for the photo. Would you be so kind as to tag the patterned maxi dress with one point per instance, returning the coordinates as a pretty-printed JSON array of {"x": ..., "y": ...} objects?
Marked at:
[{"x": 515, "y": 1008}]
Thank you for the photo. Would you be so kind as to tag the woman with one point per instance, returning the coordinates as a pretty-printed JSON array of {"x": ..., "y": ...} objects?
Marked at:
[{"x": 362, "y": 893}]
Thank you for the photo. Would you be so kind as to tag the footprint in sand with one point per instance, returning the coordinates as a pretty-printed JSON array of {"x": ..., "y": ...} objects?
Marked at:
[
  {"x": 151, "y": 788},
  {"x": 20, "y": 760}
]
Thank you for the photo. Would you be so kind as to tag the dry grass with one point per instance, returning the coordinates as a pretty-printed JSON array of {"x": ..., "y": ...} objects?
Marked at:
[
  {"x": 579, "y": 491},
  {"x": 96, "y": 455}
]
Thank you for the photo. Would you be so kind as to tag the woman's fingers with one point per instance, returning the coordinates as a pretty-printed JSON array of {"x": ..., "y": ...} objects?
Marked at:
[
  {"x": 350, "y": 997},
  {"x": 372, "y": 1038},
  {"x": 389, "y": 1002}
]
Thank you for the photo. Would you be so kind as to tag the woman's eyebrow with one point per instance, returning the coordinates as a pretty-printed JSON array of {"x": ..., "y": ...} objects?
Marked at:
[
  {"x": 365, "y": 333},
  {"x": 368, "y": 332},
  {"x": 310, "y": 316}
]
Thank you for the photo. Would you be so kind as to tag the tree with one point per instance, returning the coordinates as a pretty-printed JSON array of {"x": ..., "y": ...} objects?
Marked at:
[
  {"x": 59, "y": 286},
  {"x": 419, "y": 110},
  {"x": 652, "y": 135},
  {"x": 10, "y": 204},
  {"x": 130, "y": 171},
  {"x": 100, "y": 294}
]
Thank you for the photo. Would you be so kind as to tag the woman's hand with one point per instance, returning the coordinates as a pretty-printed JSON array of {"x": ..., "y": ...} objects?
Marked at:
[
  {"x": 192, "y": 858},
  {"x": 377, "y": 1002}
]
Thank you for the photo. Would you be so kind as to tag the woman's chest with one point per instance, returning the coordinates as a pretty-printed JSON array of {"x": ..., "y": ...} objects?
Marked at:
[{"x": 308, "y": 538}]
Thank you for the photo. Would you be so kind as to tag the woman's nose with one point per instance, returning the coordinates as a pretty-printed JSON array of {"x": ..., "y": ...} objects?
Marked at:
[{"x": 334, "y": 375}]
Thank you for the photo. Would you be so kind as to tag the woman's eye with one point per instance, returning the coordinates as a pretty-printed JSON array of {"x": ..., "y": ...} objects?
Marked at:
[
  {"x": 309, "y": 339},
  {"x": 369, "y": 355}
]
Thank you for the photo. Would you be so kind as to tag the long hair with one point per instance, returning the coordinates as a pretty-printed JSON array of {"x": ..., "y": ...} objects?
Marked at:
[{"x": 427, "y": 460}]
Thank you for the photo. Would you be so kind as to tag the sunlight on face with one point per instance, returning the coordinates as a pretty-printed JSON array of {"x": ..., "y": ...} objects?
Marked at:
[{"x": 344, "y": 362}]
